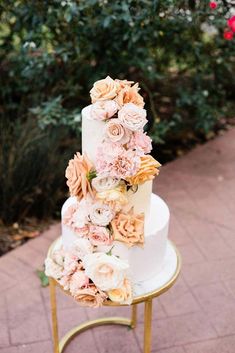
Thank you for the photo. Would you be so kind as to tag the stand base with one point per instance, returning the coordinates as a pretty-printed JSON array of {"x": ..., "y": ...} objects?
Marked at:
[
  {"x": 90, "y": 324},
  {"x": 145, "y": 293}
]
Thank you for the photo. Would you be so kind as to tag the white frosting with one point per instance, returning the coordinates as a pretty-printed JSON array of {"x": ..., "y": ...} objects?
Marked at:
[
  {"x": 144, "y": 262},
  {"x": 92, "y": 136}
]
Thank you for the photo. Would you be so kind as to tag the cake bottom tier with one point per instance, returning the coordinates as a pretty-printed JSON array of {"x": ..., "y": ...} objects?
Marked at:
[{"x": 147, "y": 261}]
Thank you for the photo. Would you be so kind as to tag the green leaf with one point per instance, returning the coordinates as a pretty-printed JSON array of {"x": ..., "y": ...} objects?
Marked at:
[
  {"x": 91, "y": 175},
  {"x": 43, "y": 278},
  {"x": 110, "y": 251}
]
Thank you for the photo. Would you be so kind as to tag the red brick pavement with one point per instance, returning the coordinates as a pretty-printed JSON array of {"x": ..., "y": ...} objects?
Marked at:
[{"x": 196, "y": 316}]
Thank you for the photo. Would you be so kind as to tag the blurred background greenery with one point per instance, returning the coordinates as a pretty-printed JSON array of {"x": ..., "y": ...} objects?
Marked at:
[{"x": 52, "y": 52}]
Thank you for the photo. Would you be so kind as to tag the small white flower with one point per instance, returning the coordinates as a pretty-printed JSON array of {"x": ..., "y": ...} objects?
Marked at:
[
  {"x": 104, "y": 183},
  {"x": 81, "y": 247},
  {"x": 101, "y": 214}
]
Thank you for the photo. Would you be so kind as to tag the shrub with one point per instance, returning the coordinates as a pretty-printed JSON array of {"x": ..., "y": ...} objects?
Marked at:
[{"x": 51, "y": 53}]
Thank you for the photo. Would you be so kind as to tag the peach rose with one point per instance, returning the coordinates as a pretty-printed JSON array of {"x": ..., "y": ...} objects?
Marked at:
[
  {"x": 132, "y": 117},
  {"x": 90, "y": 296},
  {"x": 129, "y": 228},
  {"x": 103, "y": 110},
  {"x": 123, "y": 84},
  {"x": 76, "y": 173},
  {"x": 99, "y": 235},
  {"x": 105, "y": 89},
  {"x": 106, "y": 271},
  {"x": 116, "y": 132},
  {"x": 130, "y": 95},
  {"x": 147, "y": 171},
  {"x": 122, "y": 295}
]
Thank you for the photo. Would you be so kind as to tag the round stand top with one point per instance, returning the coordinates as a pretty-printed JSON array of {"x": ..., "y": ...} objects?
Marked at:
[{"x": 150, "y": 288}]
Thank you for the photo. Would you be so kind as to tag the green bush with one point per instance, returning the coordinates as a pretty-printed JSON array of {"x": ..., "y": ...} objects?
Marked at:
[{"x": 52, "y": 52}]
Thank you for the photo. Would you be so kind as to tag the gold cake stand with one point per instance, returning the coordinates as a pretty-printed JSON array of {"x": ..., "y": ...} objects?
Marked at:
[{"x": 146, "y": 298}]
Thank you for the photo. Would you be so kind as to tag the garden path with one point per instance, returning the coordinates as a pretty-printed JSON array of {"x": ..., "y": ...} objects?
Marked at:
[{"x": 196, "y": 316}]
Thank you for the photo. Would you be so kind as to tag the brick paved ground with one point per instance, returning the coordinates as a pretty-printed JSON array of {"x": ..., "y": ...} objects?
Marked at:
[{"x": 196, "y": 316}]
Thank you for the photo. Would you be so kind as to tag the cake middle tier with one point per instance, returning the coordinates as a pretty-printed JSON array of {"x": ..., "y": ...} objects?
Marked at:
[{"x": 92, "y": 137}]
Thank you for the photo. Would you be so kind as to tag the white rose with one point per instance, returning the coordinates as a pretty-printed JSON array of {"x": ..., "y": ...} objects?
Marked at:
[
  {"x": 52, "y": 269},
  {"x": 107, "y": 272},
  {"x": 101, "y": 214},
  {"x": 81, "y": 247},
  {"x": 103, "y": 110},
  {"x": 132, "y": 116},
  {"x": 103, "y": 183}
]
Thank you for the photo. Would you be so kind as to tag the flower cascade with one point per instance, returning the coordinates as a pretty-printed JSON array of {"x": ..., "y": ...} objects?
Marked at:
[{"x": 101, "y": 215}]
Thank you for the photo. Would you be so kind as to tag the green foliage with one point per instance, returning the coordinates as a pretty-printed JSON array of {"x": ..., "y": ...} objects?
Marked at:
[
  {"x": 43, "y": 278},
  {"x": 51, "y": 53}
]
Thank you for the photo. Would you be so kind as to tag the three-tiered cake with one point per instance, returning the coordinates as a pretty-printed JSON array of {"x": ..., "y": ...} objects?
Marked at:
[{"x": 114, "y": 229}]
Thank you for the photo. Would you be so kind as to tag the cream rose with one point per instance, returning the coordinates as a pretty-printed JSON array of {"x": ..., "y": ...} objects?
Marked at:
[
  {"x": 90, "y": 296},
  {"x": 99, "y": 236},
  {"x": 103, "y": 183},
  {"x": 101, "y": 214},
  {"x": 107, "y": 272},
  {"x": 103, "y": 110},
  {"x": 116, "y": 198},
  {"x": 132, "y": 117},
  {"x": 122, "y": 295},
  {"x": 116, "y": 132},
  {"x": 105, "y": 89}
]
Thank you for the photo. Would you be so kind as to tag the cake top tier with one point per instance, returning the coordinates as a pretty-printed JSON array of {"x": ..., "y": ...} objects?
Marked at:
[{"x": 114, "y": 132}]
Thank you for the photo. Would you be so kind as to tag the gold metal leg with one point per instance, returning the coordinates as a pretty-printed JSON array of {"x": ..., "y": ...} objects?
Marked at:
[
  {"x": 133, "y": 315},
  {"x": 147, "y": 325},
  {"x": 54, "y": 315}
]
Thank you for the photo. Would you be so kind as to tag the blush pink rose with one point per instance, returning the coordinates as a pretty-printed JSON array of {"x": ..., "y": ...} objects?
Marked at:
[
  {"x": 132, "y": 117},
  {"x": 78, "y": 280},
  {"x": 75, "y": 217},
  {"x": 70, "y": 263},
  {"x": 141, "y": 142},
  {"x": 99, "y": 235},
  {"x": 116, "y": 132},
  {"x": 103, "y": 110}
]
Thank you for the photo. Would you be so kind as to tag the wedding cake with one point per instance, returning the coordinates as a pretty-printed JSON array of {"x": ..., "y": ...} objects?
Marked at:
[{"x": 114, "y": 229}]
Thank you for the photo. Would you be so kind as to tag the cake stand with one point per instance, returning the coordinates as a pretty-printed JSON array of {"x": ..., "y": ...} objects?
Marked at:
[{"x": 143, "y": 292}]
